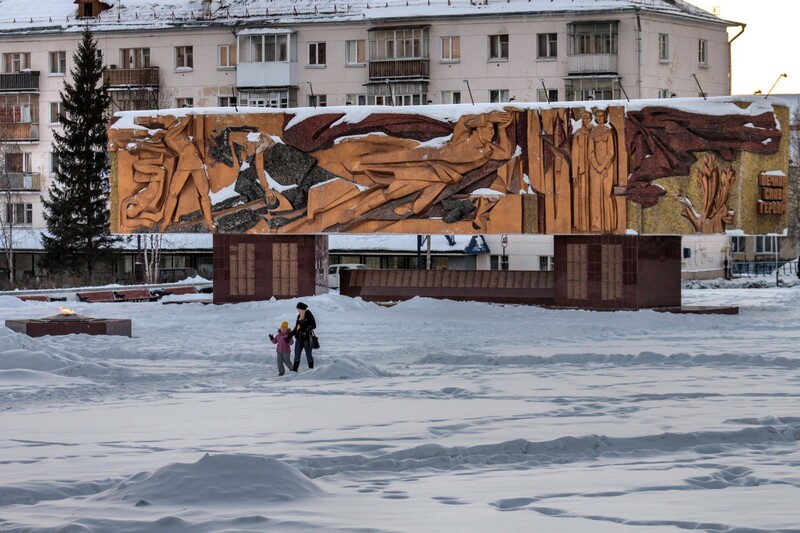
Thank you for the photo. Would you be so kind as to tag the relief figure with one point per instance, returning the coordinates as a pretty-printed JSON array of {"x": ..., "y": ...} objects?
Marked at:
[
  {"x": 603, "y": 174},
  {"x": 580, "y": 173}
]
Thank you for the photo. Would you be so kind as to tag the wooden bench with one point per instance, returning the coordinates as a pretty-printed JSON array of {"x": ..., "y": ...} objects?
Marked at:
[
  {"x": 98, "y": 297},
  {"x": 180, "y": 290},
  {"x": 34, "y": 298},
  {"x": 136, "y": 295}
]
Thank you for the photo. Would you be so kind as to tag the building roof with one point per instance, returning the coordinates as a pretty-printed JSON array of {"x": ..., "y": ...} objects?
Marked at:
[{"x": 25, "y": 16}]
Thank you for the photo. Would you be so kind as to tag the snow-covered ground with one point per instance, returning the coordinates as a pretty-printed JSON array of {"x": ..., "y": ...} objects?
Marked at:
[{"x": 426, "y": 416}]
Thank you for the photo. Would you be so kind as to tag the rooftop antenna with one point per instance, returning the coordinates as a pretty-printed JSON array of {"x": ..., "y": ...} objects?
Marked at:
[
  {"x": 774, "y": 84},
  {"x": 702, "y": 92},
  {"x": 470, "y": 92}
]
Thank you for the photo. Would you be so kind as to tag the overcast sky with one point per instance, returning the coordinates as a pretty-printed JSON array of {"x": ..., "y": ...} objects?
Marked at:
[{"x": 767, "y": 47}]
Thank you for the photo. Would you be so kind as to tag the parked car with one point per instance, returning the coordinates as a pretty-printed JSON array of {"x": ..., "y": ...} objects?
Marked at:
[{"x": 334, "y": 270}]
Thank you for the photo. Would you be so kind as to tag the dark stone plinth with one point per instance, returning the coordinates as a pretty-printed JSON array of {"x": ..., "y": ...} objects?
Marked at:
[
  {"x": 701, "y": 310},
  {"x": 69, "y": 324}
]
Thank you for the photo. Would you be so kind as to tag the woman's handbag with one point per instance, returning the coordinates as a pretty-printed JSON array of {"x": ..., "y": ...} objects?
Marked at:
[{"x": 314, "y": 341}]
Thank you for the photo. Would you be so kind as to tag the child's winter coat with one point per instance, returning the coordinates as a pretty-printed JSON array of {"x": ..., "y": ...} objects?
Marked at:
[{"x": 283, "y": 341}]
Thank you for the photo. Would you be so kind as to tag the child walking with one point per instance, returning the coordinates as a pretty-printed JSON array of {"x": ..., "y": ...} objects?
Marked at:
[{"x": 283, "y": 341}]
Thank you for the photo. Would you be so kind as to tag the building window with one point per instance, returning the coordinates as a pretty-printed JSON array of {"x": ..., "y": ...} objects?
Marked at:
[
  {"x": 55, "y": 112},
  {"x": 591, "y": 89},
  {"x": 226, "y": 56},
  {"x": 702, "y": 52},
  {"x": 592, "y": 38},
  {"x": 355, "y": 52},
  {"x": 498, "y": 262},
  {"x": 451, "y": 97},
  {"x": 134, "y": 58},
  {"x": 663, "y": 47},
  {"x": 317, "y": 100},
  {"x": 356, "y": 99},
  {"x": 451, "y": 48},
  {"x": 184, "y": 57},
  {"x": 18, "y": 162},
  {"x": 498, "y": 46},
  {"x": 58, "y": 62},
  {"x": 545, "y": 262},
  {"x": 19, "y": 213},
  {"x": 184, "y": 102},
  {"x": 265, "y": 48},
  {"x": 226, "y": 101},
  {"x": 547, "y": 46},
  {"x": 498, "y": 95},
  {"x": 399, "y": 94},
  {"x": 316, "y": 54},
  {"x": 737, "y": 245},
  {"x": 53, "y": 162},
  {"x": 767, "y": 244},
  {"x": 277, "y": 99},
  {"x": 663, "y": 93},
  {"x": 16, "y": 62},
  {"x": 409, "y": 43},
  {"x": 550, "y": 96}
]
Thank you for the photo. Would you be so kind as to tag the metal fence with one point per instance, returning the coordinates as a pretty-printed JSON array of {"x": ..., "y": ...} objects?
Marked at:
[{"x": 746, "y": 269}]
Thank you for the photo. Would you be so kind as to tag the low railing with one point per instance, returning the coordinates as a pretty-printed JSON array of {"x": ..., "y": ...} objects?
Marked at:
[
  {"x": 746, "y": 269},
  {"x": 127, "y": 77},
  {"x": 19, "y": 81},
  {"x": 399, "y": 68},
  {"x": 20, "y": 181},
  {"x": 19, "y": 131}
]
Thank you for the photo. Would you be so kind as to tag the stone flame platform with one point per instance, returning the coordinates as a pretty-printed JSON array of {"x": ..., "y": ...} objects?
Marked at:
[{"x": 67, "y": 324}]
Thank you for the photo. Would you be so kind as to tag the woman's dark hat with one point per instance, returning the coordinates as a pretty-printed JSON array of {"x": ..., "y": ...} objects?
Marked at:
[{"x": 301, "y": 305}]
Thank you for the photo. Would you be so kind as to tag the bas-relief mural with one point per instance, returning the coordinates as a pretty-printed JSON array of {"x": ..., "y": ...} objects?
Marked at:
[{"x": 513, "y": 169}]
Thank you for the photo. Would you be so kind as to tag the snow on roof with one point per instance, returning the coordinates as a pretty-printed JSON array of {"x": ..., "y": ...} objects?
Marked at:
[
  {"x": 31, "y": 239},
  {"x": 396, "y": 243},
  {"x": 24, "y": 16}
]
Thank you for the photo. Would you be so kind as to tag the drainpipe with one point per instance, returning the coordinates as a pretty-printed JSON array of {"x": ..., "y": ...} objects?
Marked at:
[
  {"x": 730, "y": 60},
  {"x": 639, "y": 52}
]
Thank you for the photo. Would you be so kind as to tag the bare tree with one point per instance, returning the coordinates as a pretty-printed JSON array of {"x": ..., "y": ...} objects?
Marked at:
[
  {"x": 8, "y": 197},
  {"x": 793, "y": 207},
  {"x": 151, "y": 252}
]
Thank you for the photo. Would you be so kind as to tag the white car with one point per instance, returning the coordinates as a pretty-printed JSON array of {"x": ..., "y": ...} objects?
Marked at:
[{"x": 333, "y": 272}]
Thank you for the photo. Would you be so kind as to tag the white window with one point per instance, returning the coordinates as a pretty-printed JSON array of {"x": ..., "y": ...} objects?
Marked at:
[
  {"x": 551, "y": 95},
  {"x": 226, "y": 101},
  {"x": 279, "y": 99},
  {"x": 355, "y": 52},
  {"x": 356, "y": 99},
  {"x": 498, "y": 95},
  {"x": 737, "y": 244},
  {"x": 53, "y": 162},
  {"x": 592, "y": 38},
  {"x": 184, "y": 102},
  {"x": 58, "y": 62},
  {"x": 16, "y": 62},
  {"x": 702, "y": 52},
  {"x": 134, "y": 58},
  {"x": 545, "y": 262},
  {"x": 55, "y": 112},
  {"x": 663, "y": 47},
  {"x": 19, "y": 213},
  {"x": 318, "y": 100},
  {"x": 398, "y": 44},
  {"x": 498, "y": 262},
  {"x": 184, "y": 59},
  {"x": 316, "y": 54},
  {"x": 498, "y": 46},
  {"x": 226, "y": 56},
  {"x": 663, "y": 93},
  {"x": 264, "y": 48},
  {"x": 766, "y": 244},
  {"x": 547, "y": 46},
  {"x": 451, "y": 97},
  {"x": 451, "y": 48}
]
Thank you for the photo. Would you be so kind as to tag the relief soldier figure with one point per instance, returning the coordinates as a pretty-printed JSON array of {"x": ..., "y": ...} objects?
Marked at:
[{"x": 603, "y": 174}]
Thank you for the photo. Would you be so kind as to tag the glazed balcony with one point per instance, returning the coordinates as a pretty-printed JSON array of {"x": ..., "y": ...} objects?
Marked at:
[
  {"x": 399, "y": 68},
  {"x": 131, "y": 77},
  {"x": 20, "y": 181},
  {"x": 19, "y": 132},
  {"x": 26, "y": 81},
  {"x": 592, "y": 63}
]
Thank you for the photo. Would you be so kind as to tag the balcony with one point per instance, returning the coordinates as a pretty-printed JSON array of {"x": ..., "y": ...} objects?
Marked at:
[
  {"x": 27, "y": 81},
  {"x": 592, "y": 64},
  {"x": 131, "y": 77},
  {"x": 399, "y": 68},
  {"x": 20, "y": 181},
  {"x": 19, "y": 132}
]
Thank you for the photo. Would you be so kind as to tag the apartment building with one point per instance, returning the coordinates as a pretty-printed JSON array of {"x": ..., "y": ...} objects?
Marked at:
[{"x": 287, "y": 53}]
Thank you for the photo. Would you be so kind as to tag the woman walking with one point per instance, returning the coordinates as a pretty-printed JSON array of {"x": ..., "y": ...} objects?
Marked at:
[{"x": 302, "y": 332}]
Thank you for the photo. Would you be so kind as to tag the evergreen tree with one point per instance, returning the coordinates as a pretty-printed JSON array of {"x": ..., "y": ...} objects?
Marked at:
[{"x": 77, "y": 211}]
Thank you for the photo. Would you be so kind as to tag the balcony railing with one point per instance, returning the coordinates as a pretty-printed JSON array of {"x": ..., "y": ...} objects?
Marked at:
[
  {"x": 20, "y": 81},
  {"x": 592, "y": 63},
  {"x": 131, "y": 77},
  {"x": 19, "y": 131},
  {"x": 20, "y": 181},
  {"x": 399, "y": 68}
]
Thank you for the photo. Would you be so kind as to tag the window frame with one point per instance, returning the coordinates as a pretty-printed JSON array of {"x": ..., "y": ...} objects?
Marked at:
[
  {"x": 767, "y": 245},
  {"x": 184, "y": 58},
  {"x": 496, "y": 96},
  {"x": 449, "y": 97},
  {"x": 184, "y": 101},
  {"x": 231, "y": 56},
  {"x": 452, "y": 45},
  {"x": 499, "y": 44},
  {"x": 360, "y": 47},
  {"x": 134, "y": 57},
  {"x": 58, "y": 108},
  {"x": 15, "y": 209},
  {"x": 58, "y": 63},
  {"x": 738, "y": 244},
  {"x": 702, "y": 52},
  {"x": 550, "y": 42},
  {"x": 321, "y": 100},
  {"x": 319, "y": 57},
  {"x": 663, "y": 47}
]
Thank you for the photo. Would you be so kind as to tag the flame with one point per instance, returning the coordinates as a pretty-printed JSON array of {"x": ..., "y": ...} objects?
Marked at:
[{"x": 66, "y": 311}]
